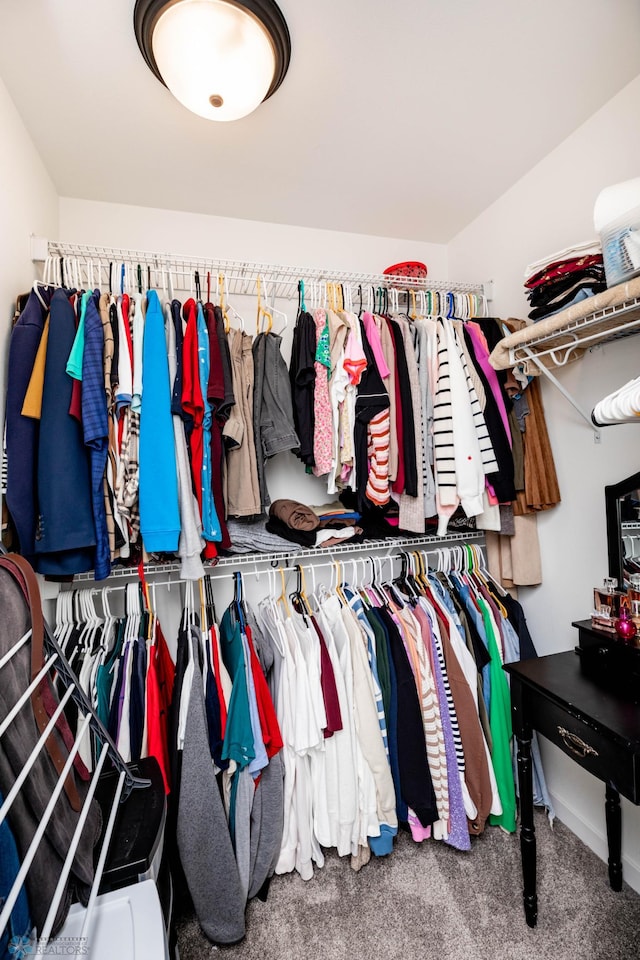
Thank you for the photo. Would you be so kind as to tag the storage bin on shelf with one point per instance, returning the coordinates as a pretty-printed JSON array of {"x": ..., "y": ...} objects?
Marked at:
[{"x": 616, "y": 217}]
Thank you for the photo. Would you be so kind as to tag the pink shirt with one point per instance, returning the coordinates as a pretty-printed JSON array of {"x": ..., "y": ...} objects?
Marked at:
[
  {"x": 373, "y": 336},
  {"x": 355, "y": 361}
]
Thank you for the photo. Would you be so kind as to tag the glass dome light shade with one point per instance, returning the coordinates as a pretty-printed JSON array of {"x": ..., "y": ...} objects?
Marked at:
[{"x": 215, "y": 57}]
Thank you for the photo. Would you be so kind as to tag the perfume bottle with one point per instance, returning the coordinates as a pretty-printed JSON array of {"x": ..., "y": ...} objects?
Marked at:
[
  {"x": 634, "y": 597},
  {"x": 606, "y": 605},
  {"x": 625, "y": 627}
]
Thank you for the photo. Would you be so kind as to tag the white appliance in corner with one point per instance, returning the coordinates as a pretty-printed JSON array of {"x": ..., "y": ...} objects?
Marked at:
[
  {"x": 616, "y": 217},
  {"x": 126, "y": 924}
]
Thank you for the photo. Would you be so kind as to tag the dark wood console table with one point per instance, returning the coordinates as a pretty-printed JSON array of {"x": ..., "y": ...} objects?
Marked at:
[{"x": 591, "y": 724}]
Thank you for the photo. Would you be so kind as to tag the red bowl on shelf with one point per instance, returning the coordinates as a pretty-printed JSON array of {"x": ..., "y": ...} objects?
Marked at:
[{"x": 411, "y": 269}]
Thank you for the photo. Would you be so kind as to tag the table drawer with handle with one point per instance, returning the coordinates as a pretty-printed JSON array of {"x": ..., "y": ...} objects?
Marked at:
[{"x": 596, "y": 751}]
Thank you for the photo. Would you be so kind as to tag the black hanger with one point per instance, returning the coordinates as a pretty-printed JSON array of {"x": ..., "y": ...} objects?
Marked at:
[
  {"x": 141, "y": 599},
  {"x": 139, "y": 279},
  {"x": 238, "y": 599},
  {"x": 196, "y": 277},
  {"x": 403, "y": 579},
  {"x": 148, "y": 277},
  {"x": 360, "y": 295},
  {"x": 111, "y": 277},
  {"x": 297, "y": 597},
  {"x": 209, "y": 601},
  {"x": 374, "y": 585}
]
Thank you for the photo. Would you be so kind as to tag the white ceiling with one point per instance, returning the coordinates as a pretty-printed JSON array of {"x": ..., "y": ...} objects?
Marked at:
[{"x": 400, "y": 119}]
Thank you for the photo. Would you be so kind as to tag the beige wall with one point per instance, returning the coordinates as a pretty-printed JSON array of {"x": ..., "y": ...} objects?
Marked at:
[
  {"x": 29, "y": 206},
  {"x": 192, "y": 234},
  {"x": 548, "y": 209}
]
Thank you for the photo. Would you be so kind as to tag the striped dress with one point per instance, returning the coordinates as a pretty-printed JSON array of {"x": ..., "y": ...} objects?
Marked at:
[{"x": 431, "y": 720}]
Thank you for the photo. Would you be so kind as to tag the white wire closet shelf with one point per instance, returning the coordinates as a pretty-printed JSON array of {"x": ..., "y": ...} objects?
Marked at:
[
  {"x": 558, "y": 347},
  {"x": 552, "y": 343},
  {"x": 240, "y": 276},
  {"x": 290, "y": 558}
]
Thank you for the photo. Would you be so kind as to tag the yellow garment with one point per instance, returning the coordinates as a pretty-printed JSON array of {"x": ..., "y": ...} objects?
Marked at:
[{"x": 32, "y": 403}]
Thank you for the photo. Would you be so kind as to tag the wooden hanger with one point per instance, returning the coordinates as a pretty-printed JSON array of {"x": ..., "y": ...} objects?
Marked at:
[
  {"x": 283, "y": 595},
  {"x": 263, "y": 313}
]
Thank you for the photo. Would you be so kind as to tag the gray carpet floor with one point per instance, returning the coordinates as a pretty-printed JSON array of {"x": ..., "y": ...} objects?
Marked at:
[{"x": 430, "y": 902}]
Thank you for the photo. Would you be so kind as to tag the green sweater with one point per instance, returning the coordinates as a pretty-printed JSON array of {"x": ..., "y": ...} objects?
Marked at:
[{"x": 501, "y": 731}]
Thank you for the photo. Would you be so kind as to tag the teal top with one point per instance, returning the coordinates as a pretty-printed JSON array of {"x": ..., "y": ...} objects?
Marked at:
[
  {"x": 105, "y": 675},
  {"x": 238, "y": 742},
  {"x": 74, "y": 363}
]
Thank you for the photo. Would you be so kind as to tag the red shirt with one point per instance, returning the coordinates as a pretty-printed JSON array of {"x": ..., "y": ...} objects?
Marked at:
[
  {"x": 329, "y": 689},
  {"x": 160, "y": 675},
  {"x": 266, "y": 711}
]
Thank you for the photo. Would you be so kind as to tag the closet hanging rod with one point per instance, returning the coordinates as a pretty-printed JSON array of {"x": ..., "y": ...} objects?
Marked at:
[
  {"x": 241, "y": 275},
  {"x": 289, "y": 558},
  {"x": 393, "y": 553},
  {"x": 257, "y": 573}
]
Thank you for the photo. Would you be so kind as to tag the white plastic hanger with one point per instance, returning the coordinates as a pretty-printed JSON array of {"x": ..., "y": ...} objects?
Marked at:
[
  {"x": 269, "y": 304},
  {"x": 225, "y": 305}
]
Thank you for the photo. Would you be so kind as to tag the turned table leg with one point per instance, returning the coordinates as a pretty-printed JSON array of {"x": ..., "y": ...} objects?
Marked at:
[
  {"x": 527, "y": 830},
  {"x": 614, "y": 836}
]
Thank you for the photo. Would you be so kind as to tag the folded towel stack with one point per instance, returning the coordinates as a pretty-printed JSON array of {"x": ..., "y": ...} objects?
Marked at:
[{"x": 564, "y": 278}]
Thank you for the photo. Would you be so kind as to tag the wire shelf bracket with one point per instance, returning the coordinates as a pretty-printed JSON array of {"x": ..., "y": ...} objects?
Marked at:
[
  {"x": 565, "y": 393},
  {"x": 557, "y": 347}
]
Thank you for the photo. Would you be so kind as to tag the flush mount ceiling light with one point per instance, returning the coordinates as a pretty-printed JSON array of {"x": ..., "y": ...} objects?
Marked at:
[{"x": 219, "y": 58}]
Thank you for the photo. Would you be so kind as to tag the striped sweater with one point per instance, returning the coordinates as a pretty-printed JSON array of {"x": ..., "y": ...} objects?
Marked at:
[
  {"x": 469, "y": 455},
  {"x": 443, "y": 449}
]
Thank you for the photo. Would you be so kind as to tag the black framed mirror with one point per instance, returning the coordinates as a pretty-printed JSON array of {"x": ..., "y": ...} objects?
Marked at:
[{"x": 622, "y": 504}]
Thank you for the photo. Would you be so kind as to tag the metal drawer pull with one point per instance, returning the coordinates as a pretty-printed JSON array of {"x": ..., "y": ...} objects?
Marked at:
[{"x": 576, "y": 745}]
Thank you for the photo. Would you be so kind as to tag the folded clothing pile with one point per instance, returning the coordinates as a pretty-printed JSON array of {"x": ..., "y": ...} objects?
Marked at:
[
  {"x": 564, "y": 278},
  {"x": 253, "y": 538},
  {"x": 327, "y": 512},
  {"x": 377, "y": 522},
  {"x": 298, "y": 523}
]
